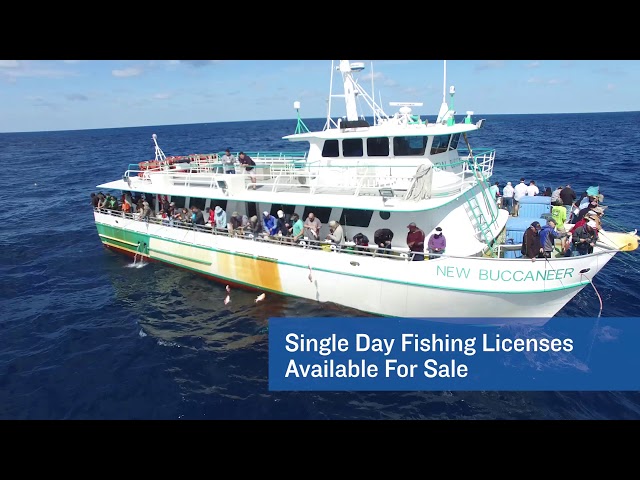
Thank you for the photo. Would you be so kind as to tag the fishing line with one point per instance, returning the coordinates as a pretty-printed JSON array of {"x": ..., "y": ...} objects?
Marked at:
[{"x": 597, "y": 324}]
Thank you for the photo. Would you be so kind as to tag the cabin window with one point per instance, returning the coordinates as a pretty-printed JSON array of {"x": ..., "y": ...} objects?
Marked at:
[
  {"x": 411, "y": 145},
  {"x": 454, "y": 141},
  {"x": 321, "y": 213},
  {"x": 356, "y": 218},
  {"x": 285, "y": 208},
  {"x": 198, "y": 202},
  {"x": 252, "y": 209},
  {"x": 179, "y": 201},
  {"x": 440, "y": 144},
  {"x": 330, "y": 148},
  {"x": 378, "y": 147},
  {"x": 352, "y": 147},
  {"x": 385, "y": 215}
]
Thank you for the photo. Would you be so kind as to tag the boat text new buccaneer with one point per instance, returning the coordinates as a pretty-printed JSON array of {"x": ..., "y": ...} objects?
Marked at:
[{"x": 363, "y": 177}]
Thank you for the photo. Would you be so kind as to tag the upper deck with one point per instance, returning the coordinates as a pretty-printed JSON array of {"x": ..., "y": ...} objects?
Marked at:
[{"x": 408, "y": 185}]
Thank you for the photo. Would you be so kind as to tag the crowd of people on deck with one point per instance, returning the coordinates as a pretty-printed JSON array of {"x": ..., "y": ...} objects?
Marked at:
[{"x": 574, "y": 223}]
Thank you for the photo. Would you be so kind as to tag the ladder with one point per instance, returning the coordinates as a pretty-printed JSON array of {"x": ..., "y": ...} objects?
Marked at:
[{"x": 482, "y": 225}]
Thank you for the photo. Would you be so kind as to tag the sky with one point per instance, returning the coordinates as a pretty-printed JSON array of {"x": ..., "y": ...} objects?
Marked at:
[{"x": 49, "y": 95}]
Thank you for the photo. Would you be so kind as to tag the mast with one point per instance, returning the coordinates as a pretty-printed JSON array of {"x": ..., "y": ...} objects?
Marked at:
[
  {"x": 444, "y": 108},
  {"x": 349, "y": 91}
]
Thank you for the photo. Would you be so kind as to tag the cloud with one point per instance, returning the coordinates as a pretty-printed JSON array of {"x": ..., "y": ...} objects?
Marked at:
[
  {"x": 489, "y": 64},
  {"x": 608, "y": 71},
  {"x": 610, "y": 87},
  {"x": 77, "y": 97},
  {"x": 200, "y": 63},
  {"x": 9, "y": 63},
  {"x": 162, "y": 96},
  {"x": 542, "y": 81},
  {"x": 535, "y": 64},
  {"x": 71, "y": 61},
  {"x": 127, "y": 72}
]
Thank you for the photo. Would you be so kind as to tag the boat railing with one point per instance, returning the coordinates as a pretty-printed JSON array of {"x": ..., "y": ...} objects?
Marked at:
[
  {"x": 393, "y": 253},
  {"x": 287, "y": 173}
]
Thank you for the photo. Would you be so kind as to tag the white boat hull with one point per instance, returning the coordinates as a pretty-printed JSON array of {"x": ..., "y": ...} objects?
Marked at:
[{"x": 459, "y": 289}]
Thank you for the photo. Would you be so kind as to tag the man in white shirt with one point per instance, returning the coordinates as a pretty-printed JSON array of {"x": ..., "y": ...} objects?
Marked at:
[
  {"x": 507, "y": 197},
  {"x": 532, "y": 189},
  {"x": 519, "y": 191}
]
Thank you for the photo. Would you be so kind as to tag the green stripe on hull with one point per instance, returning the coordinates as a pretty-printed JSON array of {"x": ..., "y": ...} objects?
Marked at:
[{"x": 124, "y": 239}]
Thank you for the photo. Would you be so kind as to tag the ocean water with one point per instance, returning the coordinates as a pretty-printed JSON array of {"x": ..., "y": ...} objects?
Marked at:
[{"x": 85, "y": 336}]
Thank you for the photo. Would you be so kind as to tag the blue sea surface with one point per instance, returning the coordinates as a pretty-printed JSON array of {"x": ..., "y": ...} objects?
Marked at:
[{"x": 85, "y": 336}]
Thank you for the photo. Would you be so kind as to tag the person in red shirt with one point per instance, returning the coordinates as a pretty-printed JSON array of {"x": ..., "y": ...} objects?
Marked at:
[{"x": 415, "y": 241}]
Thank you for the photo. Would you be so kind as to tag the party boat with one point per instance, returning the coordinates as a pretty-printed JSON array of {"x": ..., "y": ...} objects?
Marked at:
[{"x": 367, "y": 173}]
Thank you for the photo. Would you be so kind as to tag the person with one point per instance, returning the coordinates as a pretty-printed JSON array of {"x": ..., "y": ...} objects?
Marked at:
[
  {"x": 249, "y": 166},
  {"x": 145, "y": 211},
  {"x": 228, "y": 162},
  {"x": 559, "y": 214},
  {"x": 297, "y": 229},
  {"x": 568, "y": 196},
  {"x": 507, "y": 197},
  {"x": 312, "y": 226},
  {"x": 219, "y": 218},
  {"x": 237, "y": 224},
  {"x": 584, "y": 239},
  {"x": 532, "y": 189},
  {"x": 437, "y": 244},
  {"x": 415, "y": 242},
  {"x": 337, "y": 234},
  {"x": 255, "y": 227},
  {"x": 519, "y": 191},
  {"x": 382, "y": 238},
  {"x": 548, "y": 234},
  {"x": 495, "y": 191},
  {"x": 284, "y": 223},
  {"x": 361, "y": 241},
  {"x": 555, "y": 195},
  {"x": 547, "y": 192},
  {"x": 531, "y": 247},
  {"x": 270, "y": 223},
  {"x": 198, "y": 217}
]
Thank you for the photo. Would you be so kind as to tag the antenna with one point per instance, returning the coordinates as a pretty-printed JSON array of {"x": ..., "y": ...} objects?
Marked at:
[
  {"x": 444, "y": 84},
  {"x": 373, "y": 93},
  {"x": 301, "y": 127}
]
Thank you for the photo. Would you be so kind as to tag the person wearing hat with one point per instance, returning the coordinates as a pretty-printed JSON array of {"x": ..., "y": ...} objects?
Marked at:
[
  {"x": 548, "y": 235},
  {"x": 284, "y": 224},
  {"x": 531, "y": 247},
  {"x": 237, "y": 224},
  {"x": 507, "y": 197},
  {"x": 415, "y": 242},
  {"x": 255, "y": 227},
  {"x": 337, "y": 234},
  {"x": 228, "y": 162},
  {"x": 437, "y": 243},
  {"x": 270, "y": 223},
  {"x": 584, "y": 238},
  {"x": 219, "y": 218}
]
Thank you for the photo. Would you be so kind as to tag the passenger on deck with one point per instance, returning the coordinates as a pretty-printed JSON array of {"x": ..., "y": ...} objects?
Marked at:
[
  {"x": 548, "y": 235},
  {"x": 237, "y": 224},
  {"x": 198, "y": 219},
  {"x": 297, "y": 229},
  {"x": 584, "y": 239},
  {"x": 582, "y": 212},
  {"x": 494, "y": 190},
  {"x": 507, "y": 198},
  {"x": 415, "y": 242},
  {"x": 284, "y": 223},
  {"x": 209, "y": 217},
  {"x": 559, "y": 214},
  {"x": 361, "y": 240},
  {"x": 219, "y": 218},
  {"x": 382, "y": 237},
  {"x": 568, "y": 196},
  {"x": 94, "y": 200},
  {"x": 270, "y": 223},
  {"x": 555, "y": 195},
  {"x": 531, "y": 247},
  {"x": 249, "y": 167},
  {"x": 437, "y": 244},
  {"x": 519, "y": 191},
  {"x": 255, "y": 227},
  {"x": 228, "y": 162},
  {"x": 547, "y": 192},
  {"x": 145, "y": 212},
  {"x": 532, "y": 189},
  {"x": 312, "y": 226},
  {"x": 337, "y": 233}
]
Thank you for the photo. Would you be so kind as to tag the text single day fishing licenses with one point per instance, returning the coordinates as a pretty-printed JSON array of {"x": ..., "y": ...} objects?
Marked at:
[{"x": 347, "y": 367}]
